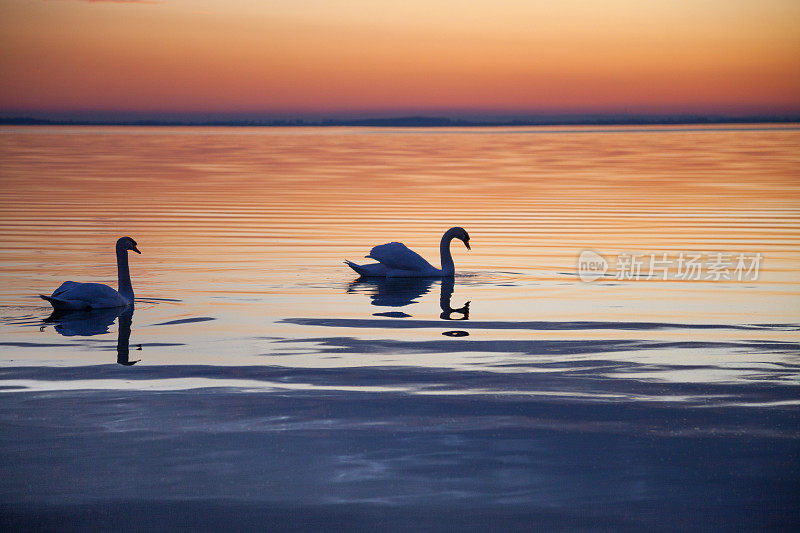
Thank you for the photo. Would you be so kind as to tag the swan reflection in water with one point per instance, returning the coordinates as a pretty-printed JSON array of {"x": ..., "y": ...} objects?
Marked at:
[
  {"x": 444, "y": 302},
  {"x": 400, "y": 292},
  {"x": 96, "y": 322}
]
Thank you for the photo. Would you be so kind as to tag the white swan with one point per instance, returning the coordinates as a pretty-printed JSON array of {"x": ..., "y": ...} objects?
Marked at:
[
  {"x": 396, "y": 260},
  {"x": 87, "y": 296}
]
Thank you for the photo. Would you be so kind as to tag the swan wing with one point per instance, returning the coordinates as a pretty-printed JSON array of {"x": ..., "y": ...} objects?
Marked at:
[
  {"x": 397, "y": 256},
  {"x": 66, "y": 286}
]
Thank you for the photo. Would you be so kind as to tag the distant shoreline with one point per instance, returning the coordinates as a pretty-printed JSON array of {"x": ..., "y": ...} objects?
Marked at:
[{"x": 420, "y": 122}]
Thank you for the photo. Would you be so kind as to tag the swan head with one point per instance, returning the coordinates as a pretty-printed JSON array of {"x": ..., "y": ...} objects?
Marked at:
[
  {"x": 126, "y": 243},
  {"x": 460, "y": 233}
]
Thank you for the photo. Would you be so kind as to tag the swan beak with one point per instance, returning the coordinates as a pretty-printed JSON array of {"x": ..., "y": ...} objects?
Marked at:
[
  {"x": 135, "y": 249},
  {"x": 466, "y": 243}
]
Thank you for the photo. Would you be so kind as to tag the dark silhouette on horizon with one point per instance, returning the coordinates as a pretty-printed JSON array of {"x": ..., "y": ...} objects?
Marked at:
[{"x": 419, "y": 121}]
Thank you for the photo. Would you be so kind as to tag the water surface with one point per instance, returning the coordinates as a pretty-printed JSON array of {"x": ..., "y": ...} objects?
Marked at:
[{"x": 258, "y": 382}]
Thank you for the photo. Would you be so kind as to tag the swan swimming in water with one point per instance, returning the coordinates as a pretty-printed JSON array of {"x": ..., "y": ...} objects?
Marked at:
[
  {"x": 87, "y": 296},
  {"x": 395, "y": 259}
]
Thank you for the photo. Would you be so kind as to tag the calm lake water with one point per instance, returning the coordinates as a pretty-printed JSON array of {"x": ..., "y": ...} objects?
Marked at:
[{"x": 272, "y": 389}]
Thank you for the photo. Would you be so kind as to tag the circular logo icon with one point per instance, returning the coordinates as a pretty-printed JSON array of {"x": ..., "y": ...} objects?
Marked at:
[{"x": 591, "y": 265}]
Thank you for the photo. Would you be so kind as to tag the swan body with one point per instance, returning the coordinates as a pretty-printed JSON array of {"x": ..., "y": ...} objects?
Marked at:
[
  {"x": 85, "y": 296},
  {"x": 396, "y": 260},
  {"x": 73, "y": 296}
]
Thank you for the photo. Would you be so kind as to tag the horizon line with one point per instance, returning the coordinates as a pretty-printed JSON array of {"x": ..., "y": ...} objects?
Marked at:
[{"x": 599, "y": 119}]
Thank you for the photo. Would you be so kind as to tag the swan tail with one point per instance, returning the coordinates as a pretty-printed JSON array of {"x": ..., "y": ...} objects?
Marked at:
[
  {"x": 370, "y": 270},
  {"x": 55, "y": 302},
  {"x": 355, "y": 267},
  {"x": 59, "y": 304}
]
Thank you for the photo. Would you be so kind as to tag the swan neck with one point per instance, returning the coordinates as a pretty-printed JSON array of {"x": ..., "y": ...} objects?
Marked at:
[
  {"x": 124, "y": 275},
  {"x": 448, "y": 268}
]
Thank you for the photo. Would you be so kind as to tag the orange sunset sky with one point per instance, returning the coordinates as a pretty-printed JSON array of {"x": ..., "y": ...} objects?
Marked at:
[{"x": 273, "y": 58}]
